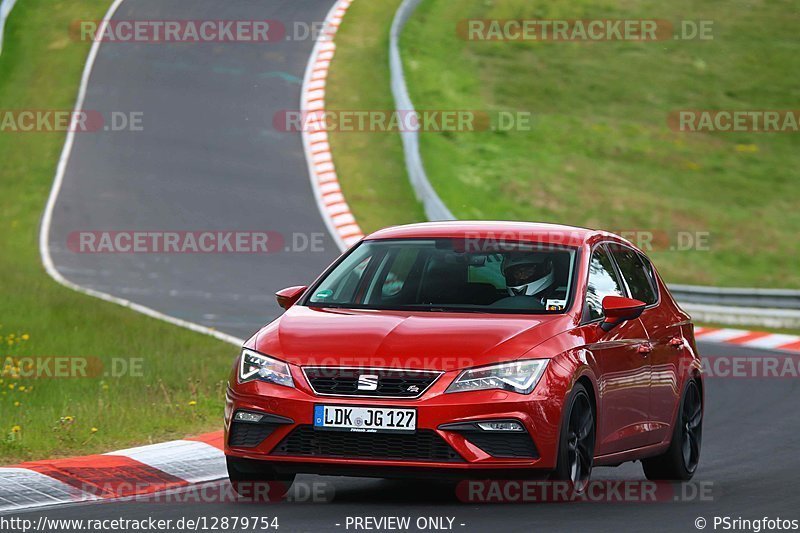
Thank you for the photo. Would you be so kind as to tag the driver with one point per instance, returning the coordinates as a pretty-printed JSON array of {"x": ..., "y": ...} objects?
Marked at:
[{"x": 528, "y": 274}]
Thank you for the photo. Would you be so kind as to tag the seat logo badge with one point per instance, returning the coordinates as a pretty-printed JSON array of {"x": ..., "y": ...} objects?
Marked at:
[
  {"x": 367, "y": 382},
  {"x": 413, "y": 388}
]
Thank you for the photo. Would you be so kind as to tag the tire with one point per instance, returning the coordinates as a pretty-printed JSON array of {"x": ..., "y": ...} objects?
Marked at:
[
  {"x": 576, "y": 441},
  {"x": 255, "y": 482},
  {"x": 680, "y": 461}
]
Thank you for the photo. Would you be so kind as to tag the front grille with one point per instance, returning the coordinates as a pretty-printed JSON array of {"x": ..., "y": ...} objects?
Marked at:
[
  {"x": 424, "y": 445},
  {"x": 502, "y": 444},
  {"x": 387, "y": 383},
  {"x": 248, "y": 435}
]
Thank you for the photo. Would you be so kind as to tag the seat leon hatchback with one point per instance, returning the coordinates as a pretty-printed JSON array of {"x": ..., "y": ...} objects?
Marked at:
[{"x": 473, "y": 350}]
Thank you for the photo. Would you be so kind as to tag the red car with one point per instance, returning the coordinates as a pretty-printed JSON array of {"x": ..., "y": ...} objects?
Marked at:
[{"x": 471, "y": 349}]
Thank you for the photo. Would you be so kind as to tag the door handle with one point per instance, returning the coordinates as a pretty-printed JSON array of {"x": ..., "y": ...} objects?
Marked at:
[
  {"x": 644, "y": 348},
  {"x": 676, "y": 342}
]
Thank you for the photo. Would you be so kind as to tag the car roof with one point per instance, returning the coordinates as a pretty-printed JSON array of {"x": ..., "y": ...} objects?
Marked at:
[{"x": 501, "y": 230}]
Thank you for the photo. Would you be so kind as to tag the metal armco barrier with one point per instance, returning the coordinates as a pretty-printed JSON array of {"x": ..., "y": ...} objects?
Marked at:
[{"x": 5, "y": 9}]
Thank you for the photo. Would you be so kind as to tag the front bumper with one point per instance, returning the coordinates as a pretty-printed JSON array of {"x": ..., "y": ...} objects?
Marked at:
[{"x": 539, "y": 413}]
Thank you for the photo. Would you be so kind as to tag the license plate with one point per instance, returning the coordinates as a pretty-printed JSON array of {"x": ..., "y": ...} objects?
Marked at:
[{"x": 365, "y": 419}]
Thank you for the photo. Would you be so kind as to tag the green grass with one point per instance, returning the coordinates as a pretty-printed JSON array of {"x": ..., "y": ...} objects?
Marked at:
[
  {"x": 600, "y": 153},
  {"x": 370, "y": 165},
  {"x": 181, "y": 386}
]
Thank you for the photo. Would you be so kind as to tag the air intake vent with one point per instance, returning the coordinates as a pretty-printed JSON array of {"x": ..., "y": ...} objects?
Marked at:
[{"x": 424, "y": 445}]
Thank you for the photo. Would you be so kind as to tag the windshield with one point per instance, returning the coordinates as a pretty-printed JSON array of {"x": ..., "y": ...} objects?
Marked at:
[{"x": 447, "y": 275}]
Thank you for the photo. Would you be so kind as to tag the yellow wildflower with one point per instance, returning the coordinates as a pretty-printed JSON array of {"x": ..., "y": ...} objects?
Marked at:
[
  {"x": 94, "y": 430},
  {"x": 192, "y": 403},
  {"x": 16, "y": 429},
  {"x": 750, "y": 148}
]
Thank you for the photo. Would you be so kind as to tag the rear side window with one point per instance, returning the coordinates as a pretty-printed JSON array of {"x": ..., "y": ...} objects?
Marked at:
[
  {"x": 635, "y": 273},
  {"x": 602, "y": 282},
  {"x": 648, "y": 269}
]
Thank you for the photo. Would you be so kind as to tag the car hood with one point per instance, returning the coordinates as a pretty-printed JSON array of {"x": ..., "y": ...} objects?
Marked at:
[{"x": 416, "y": 340}]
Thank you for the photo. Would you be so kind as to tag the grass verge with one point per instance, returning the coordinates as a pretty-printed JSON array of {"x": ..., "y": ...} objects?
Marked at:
[
  {"x": 144, "y": 380},
  {"x": 370, "y": 165},
  {"x": 600, "y": 153}
]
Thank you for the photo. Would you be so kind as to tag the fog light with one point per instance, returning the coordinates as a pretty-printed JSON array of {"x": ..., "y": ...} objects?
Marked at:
[
  {"x": 501, "y": 425},
  {"x": 244, "y": 416}
]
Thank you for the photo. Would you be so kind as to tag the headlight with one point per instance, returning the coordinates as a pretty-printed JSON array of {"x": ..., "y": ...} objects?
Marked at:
[
  {"x": 253, "y": 365},
  {"x": 519, "y": 376}
]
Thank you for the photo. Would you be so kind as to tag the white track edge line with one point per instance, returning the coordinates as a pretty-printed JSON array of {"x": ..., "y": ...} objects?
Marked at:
[{"x": 47, "y": 217}]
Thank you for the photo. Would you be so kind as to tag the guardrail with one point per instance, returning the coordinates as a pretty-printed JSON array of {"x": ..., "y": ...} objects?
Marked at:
[
  {"x": 738, "y": 296},
  {"x": 743, "y": 316},
  {"x": 434, "y": 206},
  {"x": 766, "y": 307},
  {"x": 5, "y": 9}
]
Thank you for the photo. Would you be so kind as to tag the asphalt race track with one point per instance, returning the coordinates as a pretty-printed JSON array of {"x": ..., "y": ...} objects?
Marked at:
[
  {"x": 210, "y": 159},
  {"x": 749, "y": 466}
]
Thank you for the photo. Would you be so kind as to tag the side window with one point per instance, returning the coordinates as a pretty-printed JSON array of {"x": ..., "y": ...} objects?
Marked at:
[
  {"x": 602, "y": 282},
  {"x": 633, "y": 270}
]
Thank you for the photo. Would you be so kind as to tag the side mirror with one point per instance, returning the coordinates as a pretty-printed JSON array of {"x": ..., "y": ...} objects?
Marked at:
[
  {"x": 288, "y": 297},
  {"x": 618, "y": 309}
]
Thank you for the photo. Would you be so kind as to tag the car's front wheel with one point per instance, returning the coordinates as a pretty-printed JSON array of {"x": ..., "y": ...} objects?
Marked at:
[
  {"x": 680, "y": 460},
  {"x": 255, "y": 482},
  {"x": 576, "y": 448}
]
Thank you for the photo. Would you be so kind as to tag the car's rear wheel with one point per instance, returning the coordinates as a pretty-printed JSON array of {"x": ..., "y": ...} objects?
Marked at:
[
  {"x": 255, "y": 482},
  {"x": 680, "y": 460},
  {"x": 576, "y": 448}
]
